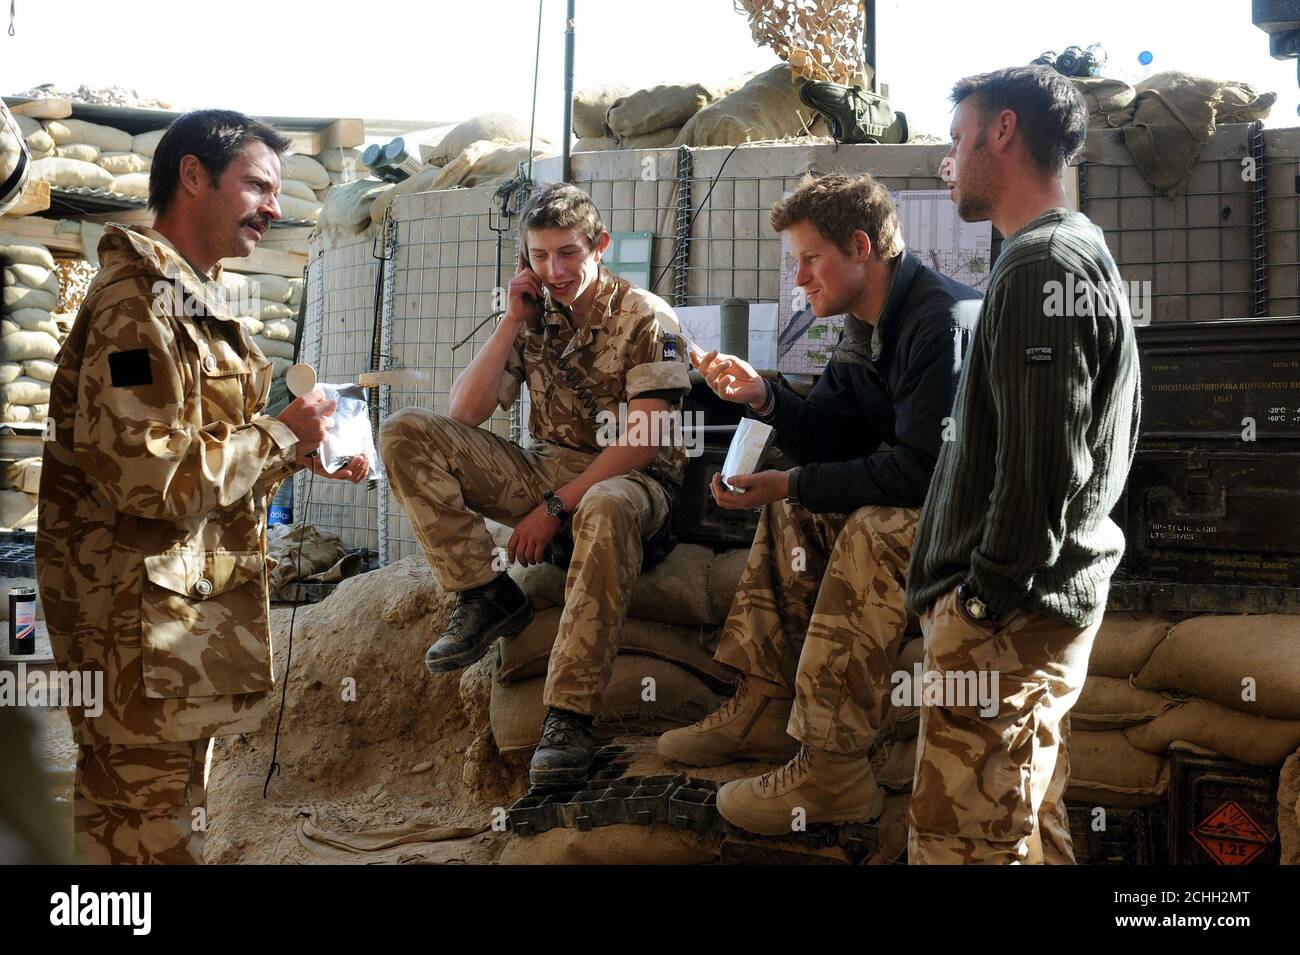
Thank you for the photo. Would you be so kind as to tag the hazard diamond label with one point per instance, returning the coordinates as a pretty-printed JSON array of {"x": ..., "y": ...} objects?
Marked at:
[{"x": 1231, "y": 836}]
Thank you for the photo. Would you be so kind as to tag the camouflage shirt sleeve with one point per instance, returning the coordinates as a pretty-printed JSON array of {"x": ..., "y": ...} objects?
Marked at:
[
  {"x": 512, "y": 376},
  {"x": 138, "y": 433},
  {"x": 657, "y": 361}
]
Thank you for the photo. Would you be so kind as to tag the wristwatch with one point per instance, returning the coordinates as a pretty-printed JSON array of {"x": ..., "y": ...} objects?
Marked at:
[
  {"x": 555, "y": 505},
  {"x": 974, "y": 604},
  {"x": 793, "y": 496}
]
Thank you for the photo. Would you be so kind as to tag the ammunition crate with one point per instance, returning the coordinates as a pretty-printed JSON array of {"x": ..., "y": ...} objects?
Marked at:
[
  {"x": 1221, "y": 811},
  {"x": 1129, "y": 836}
]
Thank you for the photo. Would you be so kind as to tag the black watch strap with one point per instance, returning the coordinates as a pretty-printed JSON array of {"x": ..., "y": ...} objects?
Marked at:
[{"x": 555, "y": 505}]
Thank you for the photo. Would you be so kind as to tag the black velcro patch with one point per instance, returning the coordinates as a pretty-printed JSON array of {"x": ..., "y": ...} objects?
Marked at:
[{"x": 130, "y": 368}]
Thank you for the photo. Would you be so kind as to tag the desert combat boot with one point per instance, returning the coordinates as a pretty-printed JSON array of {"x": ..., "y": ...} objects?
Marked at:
[
  {"x": 751, "y": 725},
  {"x": 481, "y": 615},
  {"x": 816, "y": 786}
]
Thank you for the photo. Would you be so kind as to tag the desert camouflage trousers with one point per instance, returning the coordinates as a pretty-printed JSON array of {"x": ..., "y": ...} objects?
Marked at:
[
  {"x": 820, "y": 610},
  {"x": 449, "y": 476},
  {"x": 145, "y": 804},
  {"x": 990, "y": 789}
]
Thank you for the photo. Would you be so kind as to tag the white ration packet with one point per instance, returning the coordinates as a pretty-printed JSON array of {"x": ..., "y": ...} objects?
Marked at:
[
  {"x": 747, "y": 447},
  {"x": 351, "y": 434}
]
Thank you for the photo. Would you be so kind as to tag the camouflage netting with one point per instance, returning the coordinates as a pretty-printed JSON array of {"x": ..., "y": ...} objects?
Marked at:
[{"x": 820, "y": 39}]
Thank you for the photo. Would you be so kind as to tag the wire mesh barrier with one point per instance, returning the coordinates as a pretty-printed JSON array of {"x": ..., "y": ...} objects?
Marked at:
[{"x": 1226, "y": 248}]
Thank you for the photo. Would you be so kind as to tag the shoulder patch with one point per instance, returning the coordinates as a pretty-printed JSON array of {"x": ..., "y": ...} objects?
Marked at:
[
  {"x": 1038, "y": 353},
  {"x": 130, "y": 368},
  {"x": 672, "y": 348}
]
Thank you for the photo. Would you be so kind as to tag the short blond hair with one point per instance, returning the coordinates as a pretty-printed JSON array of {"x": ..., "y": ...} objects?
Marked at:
[{"x": 839, "y": 205}]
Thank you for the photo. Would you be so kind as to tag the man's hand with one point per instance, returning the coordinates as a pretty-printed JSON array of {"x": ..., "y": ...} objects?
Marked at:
[
  {"x": 524, "y": 296},
  {"x": 309, "y": 419},
  {"x": 355, "y": 470},
  {"x": 532, "y": 536},
  {"x": 762, "y": 488},
  {"x": 732, "y": 379}
]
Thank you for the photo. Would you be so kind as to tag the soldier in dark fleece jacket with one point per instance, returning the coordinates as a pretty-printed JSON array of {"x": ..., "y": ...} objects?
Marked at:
[{"x": 819, "y": 613}]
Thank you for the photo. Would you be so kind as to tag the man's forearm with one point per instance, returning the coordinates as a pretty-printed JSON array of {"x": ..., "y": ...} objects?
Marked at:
[{"x": 473, "y": 395}]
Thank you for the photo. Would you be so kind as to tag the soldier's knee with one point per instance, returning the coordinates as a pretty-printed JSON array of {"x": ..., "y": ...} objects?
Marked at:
[
  {"x": 417, "y": 424},
  {"x": 605, "y": 505}
]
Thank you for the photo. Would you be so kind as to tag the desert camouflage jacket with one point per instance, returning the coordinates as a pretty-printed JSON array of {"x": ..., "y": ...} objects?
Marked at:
[
  {"x": 580, "y": 369},
  {"x": 151, "y": 540}
]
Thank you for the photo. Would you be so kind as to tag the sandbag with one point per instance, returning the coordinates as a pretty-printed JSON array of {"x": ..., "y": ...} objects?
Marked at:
[
  {"x": 27, "y": 391},
  {"x": 1107, "y": 770},
  {"x": 1125, "y": 641},
  {"x": 291, "y": 207},
  {"x": 22, "y": 297},
  {"x": 502, "y": 163},
  {"x": 1110, "y": 102},
  {"x": 146, "y": 143},
  {"x": 19, "y": 252},
  {"x": 273, "y": 349},
  {"x": 527, "y": 653},
  {"x": 281, "y": 329},
  {"x": 107, "y": 138},
  {"x": 297, "y": 188},
  {"x": 274, "y": 311},
  {"x": 279, "y": 366},
  {"x": 542, "y": 583},
  {"x": 27, "y": 125},
  {"x": 304, "y": 169},
  {"x": 269, "y": 288},
  {"x": 1210, "y": 656},
  {"x": 72, "y": 174},
  {"x": 767, "y": 107},
  {"x": 658, "y": 107},
  {"x": 295, "y": 293},
  {"x": 83, "y": 151},
  {"x": 1255, "y": 740},
  {"x": 34, "y": 276},
  {"x": 15, "y": 414},
  {"x": 455, "y": 172},
  {"x": 7, "y": 327},
  {"x": 21, "y": 475},
  {"x": 40, "y": 369},
  {"x": 120, "y": 164},
  {"x": 681, "y": 698},
  {"x": 656, "y": 140},
  {"x": 347, "y": 207},
  {"x": 494, "y": 127},
  {"x": 135, "y": 184},
  {"x": 17, "y": 509},
  {"x": 591, "y": 105},
  {"x": 254, "y": 325},
  {"x": 595, "y": 144},
  {"x": 1109, "y": 702},
  {"x": 9, "y": 371},
  {"x": 39, "y": 412}
]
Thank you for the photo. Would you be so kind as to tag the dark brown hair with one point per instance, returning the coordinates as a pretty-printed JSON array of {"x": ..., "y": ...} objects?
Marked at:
[
  {"x": 562, "y": 206},
  {"x": 215, "y": 136},
  {"x": 840, "y": 205},
  {"x": 1049, "y": 109}
]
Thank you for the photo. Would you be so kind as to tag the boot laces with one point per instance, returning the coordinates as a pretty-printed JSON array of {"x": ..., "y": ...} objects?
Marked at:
[
  {"x": 731, "y": 707},
  {"x": 798, "y": 765},
  {"x": 559, "y": 730}
]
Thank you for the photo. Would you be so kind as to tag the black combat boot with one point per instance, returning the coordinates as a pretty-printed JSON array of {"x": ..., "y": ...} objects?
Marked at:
[
  {"x": 855, "y": 115},
  {"x": 496, "y": 609},
  {"x": 563, "y": 756}
]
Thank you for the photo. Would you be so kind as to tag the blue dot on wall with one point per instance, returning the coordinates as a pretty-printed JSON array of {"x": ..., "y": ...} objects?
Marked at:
[{"x": 1145, "y": 57}]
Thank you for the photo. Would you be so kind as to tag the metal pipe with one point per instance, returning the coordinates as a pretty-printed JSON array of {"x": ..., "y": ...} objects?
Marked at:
[
  {"x": 568, "y": 91},
  {"x": 869, "y": 42}
]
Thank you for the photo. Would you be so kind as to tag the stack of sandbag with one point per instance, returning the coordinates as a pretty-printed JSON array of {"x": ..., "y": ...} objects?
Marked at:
[
  {"x": 93, "y": 156},
  {"x": 267, "y": 305},
  {"x": 1229, "y": 685},
  {"x": 664, "y": 675},
  {"x": 645, "y": 119},
  {"x": 304, "y": 183},
  {"x": 20, "y": 482},
  {"x": 765, "y": 108},
  {"x": 29, "y": 335}
]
